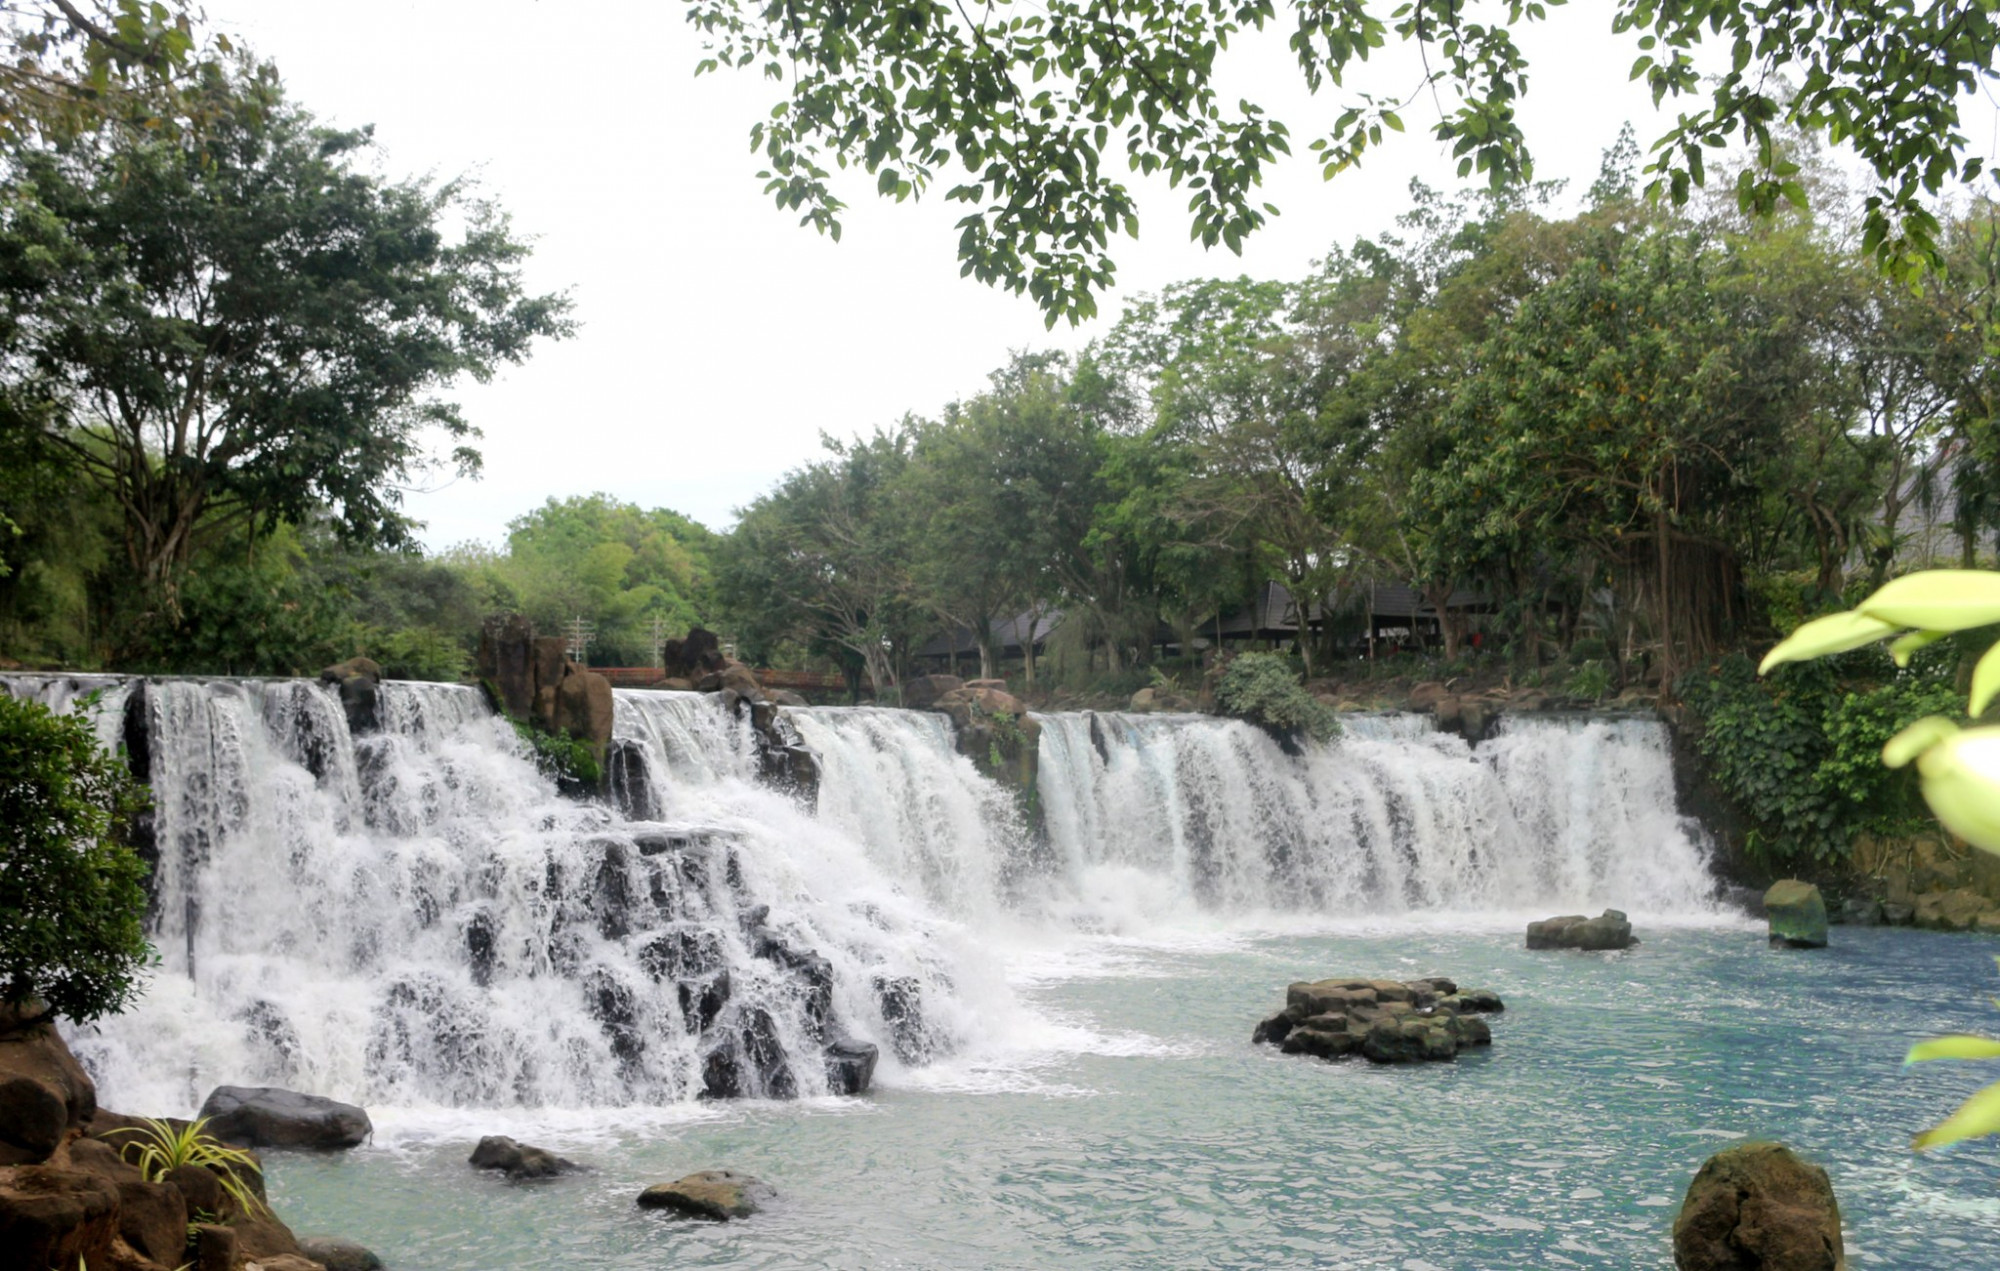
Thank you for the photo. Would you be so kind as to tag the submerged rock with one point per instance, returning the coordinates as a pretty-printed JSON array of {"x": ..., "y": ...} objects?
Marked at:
[
  {"x": 518, "y": 1160},
  {"x": 336, "y": 1254},
  {"x": 1758, "y": 1207},
  {"x": 1609, "y": 930},
  {"x": 719, "y": 1194},
  {"x": 1385, "y": 1021},
  {"x": 265, "y": 1116},
  {"x": 1797, "y": 914}
]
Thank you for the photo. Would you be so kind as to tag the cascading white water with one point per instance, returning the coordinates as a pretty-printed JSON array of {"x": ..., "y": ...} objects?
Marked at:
[
  {"x": 1167, "y": 814},
  {"x": 415, "y": 918},
  {"x": 894, "y": 781}
]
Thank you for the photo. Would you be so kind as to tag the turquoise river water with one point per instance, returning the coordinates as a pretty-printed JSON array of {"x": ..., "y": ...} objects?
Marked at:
[{"x": 1146, "y": 1131}]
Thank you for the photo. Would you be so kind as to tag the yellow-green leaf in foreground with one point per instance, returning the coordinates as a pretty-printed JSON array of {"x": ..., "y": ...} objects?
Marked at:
[
  {"x": 1957, "y": 1046},
  {"x": 1976, "y": 1116},
  {"x": 1904, "y": 646},
  {"x": 1961, "y": 782},
  {"x": 1937, "y": 600},
  {"x": 1835, "y": 633},
  {"x": 1916, "y": 739},
  {"x": 1985, "y": 681}
]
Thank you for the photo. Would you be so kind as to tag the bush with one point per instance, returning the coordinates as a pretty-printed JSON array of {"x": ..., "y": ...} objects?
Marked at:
[
  {"x": 1263, "y": 689},
  {"x": 1588, "y": 682},
  {"x": 72, "y": 895},
  {"x": 1800, "y": 752}
]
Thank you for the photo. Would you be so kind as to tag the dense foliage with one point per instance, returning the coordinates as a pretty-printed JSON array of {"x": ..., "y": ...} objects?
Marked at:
[
  {"x": 1800, "y": 754},
  {"x": 1262, "y": 689},
  {"x": 1024, "y": 110},
  {"x": 72, "y": 895}
]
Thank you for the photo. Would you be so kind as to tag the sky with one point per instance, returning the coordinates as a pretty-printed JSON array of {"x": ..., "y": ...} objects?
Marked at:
[{"x": 717, "y": 338}]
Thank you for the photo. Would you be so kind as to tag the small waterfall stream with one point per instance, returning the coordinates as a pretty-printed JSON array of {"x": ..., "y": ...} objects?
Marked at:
[{"x": 414, "y": 917}]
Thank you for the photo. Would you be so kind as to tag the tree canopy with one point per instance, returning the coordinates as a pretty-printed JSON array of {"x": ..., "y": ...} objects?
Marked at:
[
  {"x": 1024, "y": 111},
  {"x": 233, "y": 323}
]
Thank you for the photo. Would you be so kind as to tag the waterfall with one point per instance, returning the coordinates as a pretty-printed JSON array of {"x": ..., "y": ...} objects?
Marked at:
[
  {"x": 1189, "y": 812},
  {"x": 415, "y": 918}
]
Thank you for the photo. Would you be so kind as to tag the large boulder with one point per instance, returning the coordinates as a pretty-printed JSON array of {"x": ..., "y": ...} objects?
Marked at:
[
  {"x": 995, "y": 731},
  {"x": 922, "y": 692},
  {"x": 1797, "y": 914},
  {"x": 506, "y": 662},
  {"x": 52, "y": 1217},
  {"x": 1955, "y": 910},
  {"x": 358, "y": 681},
  {"x": 850, "y": 1065},
  {"x": 519, "y": 1160},
  {"x": 1609, "y": 930},
  {"x": 44, "y": 1092},
  {"x": 265, "y": 1116},
  {"x": 720, "y": 1194},
  {"x": 1758, "y": 1207}
]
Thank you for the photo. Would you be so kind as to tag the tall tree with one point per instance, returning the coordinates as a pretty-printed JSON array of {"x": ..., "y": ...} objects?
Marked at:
[{"x": 235, "y": 323}]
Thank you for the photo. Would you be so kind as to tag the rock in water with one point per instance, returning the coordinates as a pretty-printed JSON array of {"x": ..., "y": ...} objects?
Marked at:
[
  {"x": 519, "y": 1160},
  {"x": 265, "y": 1116},
  {"x": 1797, "y": 914},
  {"x": 720, "y": 1194},
  {"x": 1609, "y": 930},
  {"x": 336, "y": 1254},
  {"x": 1385, "y": 1021},
  {"x": 1757, "y": 1207}
]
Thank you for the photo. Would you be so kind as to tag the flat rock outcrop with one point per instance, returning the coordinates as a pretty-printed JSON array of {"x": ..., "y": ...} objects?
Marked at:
[
  {"x": 1609, "y": 930},
  {"x": 718, "y": 1194},
  {"x": 266, "y": 1116},
  {"x": 1797, "y": 914},
  {"x": 1758, "y": 1207},
  {"x": 519, "y": 1160},
  {"x": 1383, "y": 1021}
]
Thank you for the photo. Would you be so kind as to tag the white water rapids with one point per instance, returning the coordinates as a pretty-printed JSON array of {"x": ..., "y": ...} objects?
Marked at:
[{"x": 415, "y": 918}]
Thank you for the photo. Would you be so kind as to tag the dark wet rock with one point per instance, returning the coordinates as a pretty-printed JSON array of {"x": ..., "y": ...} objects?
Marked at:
[
  {"x": 215, "y": 1247},
  {"x": 901, "y": 1000},
  {"x": 1758, "y": 1207},
  {"x": 718, "y": 1194},
  {"x": 336, "y": 1254},
  {"x": 359, "y": 682},
  {"x": 518, "y": 1160},
  {"x": 479, "y": 945},
  {"x": 265, "y": 1116},
  {"x": 1385, "y": 1021},
  {"x": 1797, "y": 914},
  {"x": 766, "y": 1056},
  {"x": 611, "y": 1004},
  {"x": 1609, "y": 930},
  {"x": 1861, "y": 911},
  {"x": 628, "y": 780},
  {"x": 850, "y": 1066}
]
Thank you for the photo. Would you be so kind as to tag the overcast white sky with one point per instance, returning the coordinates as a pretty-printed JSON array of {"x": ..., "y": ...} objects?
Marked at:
[{"x": 718, "y": 339}]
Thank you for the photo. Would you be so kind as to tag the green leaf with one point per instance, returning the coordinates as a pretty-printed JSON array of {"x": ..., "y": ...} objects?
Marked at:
[
  {"x": 1957, "y": 1046},
  {"x": 1977, "y": 1116},
  {"x": 1835, "y": 633},
  {"x": 1904, "y": 646},
  {"x": 1916, "y": 739},
  {"x": 1961, "y": 782},
  {"x": 1937, "y": 600},
  {"x": 1985, "y": 681}
]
